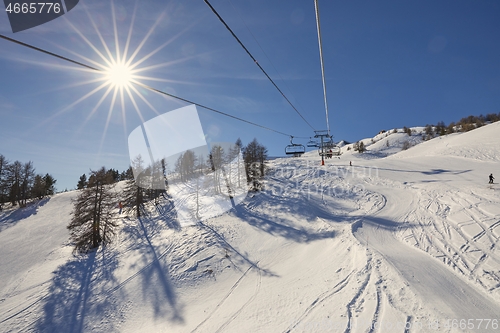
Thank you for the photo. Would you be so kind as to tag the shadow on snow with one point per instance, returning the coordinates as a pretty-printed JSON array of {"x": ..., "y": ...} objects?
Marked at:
[
  {"x": 85, "y": 294},
  {"x": 157, "y": 287},
  {"x": 272, "y": 223},
  {"x": 12, "y": 217},
  {"x": 77, "y": 300}
]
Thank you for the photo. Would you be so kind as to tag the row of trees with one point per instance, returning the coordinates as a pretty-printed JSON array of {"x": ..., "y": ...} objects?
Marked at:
[
  {"x": 19, "y": 182},
  {"x": 112, "y": 174},
  {"x": 219, "y": 159},
  {"x": 463, "y": 125},
  {"x": 93, "y": 222}
]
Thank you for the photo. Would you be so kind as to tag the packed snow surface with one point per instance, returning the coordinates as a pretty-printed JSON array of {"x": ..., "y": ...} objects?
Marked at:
[{"x": 397, "y": 242}]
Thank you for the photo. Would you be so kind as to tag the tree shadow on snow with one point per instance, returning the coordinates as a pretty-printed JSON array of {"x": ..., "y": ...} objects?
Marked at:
[
  {"x": 78, "y": 299},
  {"x": 382, "y": 223},
  {"x": 424, "y": 172},
  {"x": 12, "y": 217},
  {"x": 166, "y": 210},
  {"x": 243, "y": 258},
  {"x": 157, "y": 287},
  {"x": 272, "y": 223},
  {"x": 441, "y": 171}
]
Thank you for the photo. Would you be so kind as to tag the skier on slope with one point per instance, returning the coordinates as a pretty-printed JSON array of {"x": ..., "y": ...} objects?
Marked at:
[{"x": 491, "y": 178}]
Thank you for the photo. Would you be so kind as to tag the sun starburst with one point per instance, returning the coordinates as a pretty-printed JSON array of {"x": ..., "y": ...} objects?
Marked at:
[
  {"x": 119, "y": 75},
  {"x": 120, "y": 71}
]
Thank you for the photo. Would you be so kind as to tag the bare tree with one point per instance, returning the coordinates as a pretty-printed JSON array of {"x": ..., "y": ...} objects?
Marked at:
[
  {"x": 27, "y": 178},
  {"x": 92, "y": 222},
  {"x": 254, "y": 157},
  {"x": 185, "y": 165},
  {"x": 133, "y": 196},
  {"x": 216, "y": 160},
  {"x": 234, "y": 153}
]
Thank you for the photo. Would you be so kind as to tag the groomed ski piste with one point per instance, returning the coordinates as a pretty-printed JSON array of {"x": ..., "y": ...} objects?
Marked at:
[{"x": 401, "y": 241}]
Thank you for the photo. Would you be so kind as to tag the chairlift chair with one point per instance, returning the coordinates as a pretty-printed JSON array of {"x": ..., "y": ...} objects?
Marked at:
[
  {"x": 295, "y": 149},
  {"x": 312, "y": 143}
]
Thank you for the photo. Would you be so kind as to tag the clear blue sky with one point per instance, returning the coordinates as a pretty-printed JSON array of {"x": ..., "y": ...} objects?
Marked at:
[{"x": 389, "y": 63}]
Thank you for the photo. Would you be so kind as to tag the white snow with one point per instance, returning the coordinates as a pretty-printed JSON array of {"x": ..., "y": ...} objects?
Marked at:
[{"x": 403, "y": 243}]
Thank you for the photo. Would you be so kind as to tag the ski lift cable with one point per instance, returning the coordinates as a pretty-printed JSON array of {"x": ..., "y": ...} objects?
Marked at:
[
  {"x": 144, "y": 86},
  {"x": 322, "y": 63},
  {"x": 257, "y": 63},
  {"x": 264, "y": 52},
  {"x": 48, "y": 52}
]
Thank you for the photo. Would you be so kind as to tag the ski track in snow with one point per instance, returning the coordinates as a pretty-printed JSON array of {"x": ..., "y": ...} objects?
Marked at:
[
  {"x": 320, "y": 299},
  {"x": 229, "y": 293},
  {"x": 411, "y": 263}
]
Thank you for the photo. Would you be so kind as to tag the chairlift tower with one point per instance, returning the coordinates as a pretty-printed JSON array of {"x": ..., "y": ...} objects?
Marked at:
[{"x": 323, "y": 137}]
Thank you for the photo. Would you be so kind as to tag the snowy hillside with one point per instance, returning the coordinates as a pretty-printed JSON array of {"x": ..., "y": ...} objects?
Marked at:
[{"x": 405, "y": 243}]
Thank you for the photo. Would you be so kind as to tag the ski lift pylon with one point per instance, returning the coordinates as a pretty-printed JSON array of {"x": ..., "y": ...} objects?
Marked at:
[{"x": 327, "y": 148}]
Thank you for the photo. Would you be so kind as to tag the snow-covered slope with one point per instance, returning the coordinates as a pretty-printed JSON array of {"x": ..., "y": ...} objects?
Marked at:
[
  {"x": 402, "y": 243},
  {"x": 480, "y": 144}
]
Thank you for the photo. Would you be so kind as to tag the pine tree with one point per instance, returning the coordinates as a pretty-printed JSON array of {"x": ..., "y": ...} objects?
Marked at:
[
  {"x": 359, "y": 147},
  {"x": 14, "y": 181},
  {"x": 50, "y": 183},
  {"x": 38, "y": 190},
  {"x": 362, "y": 147},
  {"x": 82, "y": 183},
  {"x": 92, "y": 220},
  {"x": 429, "y": 131},
  {"x": 127, "y": 175},
  {"x": 114, "y": 175},
  {"x": 4, "y": 167}
]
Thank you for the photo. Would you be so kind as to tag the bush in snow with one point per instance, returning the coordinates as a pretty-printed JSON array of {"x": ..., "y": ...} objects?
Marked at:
[{"x": 359, "y": 147}]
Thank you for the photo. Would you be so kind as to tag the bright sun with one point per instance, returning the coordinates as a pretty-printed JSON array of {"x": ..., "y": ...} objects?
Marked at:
[{"x": 119, "y": 75}]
